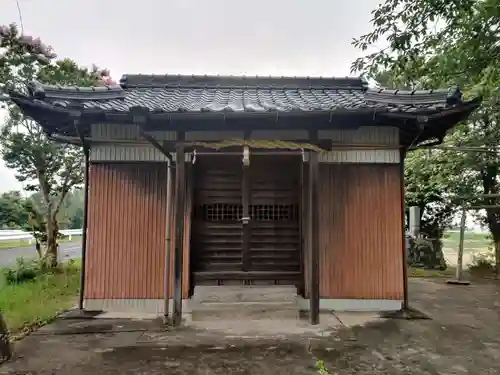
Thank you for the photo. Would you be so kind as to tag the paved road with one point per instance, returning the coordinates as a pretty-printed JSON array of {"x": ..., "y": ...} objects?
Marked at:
[
  {"x": 451, "y": 257},
  {"x": 67, "y": 250}
]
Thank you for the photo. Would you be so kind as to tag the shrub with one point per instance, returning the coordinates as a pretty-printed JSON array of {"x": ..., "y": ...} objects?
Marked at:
[
  {"x": 23, "y": 271},
  {"x": 320, "y": 367},
  {"x": 483, "y": 263}
]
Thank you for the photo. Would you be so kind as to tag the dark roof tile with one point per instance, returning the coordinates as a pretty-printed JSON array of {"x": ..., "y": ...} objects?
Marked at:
[{"x": 170, "y": 93}]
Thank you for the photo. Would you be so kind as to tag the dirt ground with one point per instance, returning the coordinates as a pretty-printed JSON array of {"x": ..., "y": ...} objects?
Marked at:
[{"x": 462, "y": 337}]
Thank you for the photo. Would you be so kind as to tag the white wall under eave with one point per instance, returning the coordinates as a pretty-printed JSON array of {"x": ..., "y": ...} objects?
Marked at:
[
  {"x": 127, "y": 152},
  {"x": 390, "y": 156},
  {"x": 365, "y": 136}
]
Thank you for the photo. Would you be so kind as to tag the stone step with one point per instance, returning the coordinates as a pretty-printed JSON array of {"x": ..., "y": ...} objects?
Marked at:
[
  {"x": 245, "y": 310},
  {"x": 245, "y": 293}
]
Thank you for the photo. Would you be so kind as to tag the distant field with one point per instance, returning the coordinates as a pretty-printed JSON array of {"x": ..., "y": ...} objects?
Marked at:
[{"x": 473, "y": 242}]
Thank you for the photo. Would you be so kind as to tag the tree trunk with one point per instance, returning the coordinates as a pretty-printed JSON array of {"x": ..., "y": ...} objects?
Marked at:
[
  {"x": 52, "y": 231},
  {"x": 497, "y": 259},
  {"x": 5, "y": 347},
  {"x": 490, "y": 186}
]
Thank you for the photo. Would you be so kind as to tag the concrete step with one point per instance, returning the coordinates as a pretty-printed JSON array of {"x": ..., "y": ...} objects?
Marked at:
[
  {"x": 245, "y": 310},
  {"x": 245, "y": 293}
]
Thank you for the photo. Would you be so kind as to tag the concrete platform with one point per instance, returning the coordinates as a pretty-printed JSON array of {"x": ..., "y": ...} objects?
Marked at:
[{"x": 244, "y": 302}]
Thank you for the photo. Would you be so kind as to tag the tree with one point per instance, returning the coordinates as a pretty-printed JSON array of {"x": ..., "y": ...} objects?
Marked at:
[
  {"x": 76, "y": 221},
  {"x": 425, "y": 179},
  {"x": 52, "y": 169},
  {"x": 435, "y": 43},
  {"x": 13, "y": 210},
  {"x": 72, "y": 213}
]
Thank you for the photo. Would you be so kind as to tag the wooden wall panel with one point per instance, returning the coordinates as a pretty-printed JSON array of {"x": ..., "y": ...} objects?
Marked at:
[
  {"x": 126, "y": 232},
  {"x": 360, "y": 231}
]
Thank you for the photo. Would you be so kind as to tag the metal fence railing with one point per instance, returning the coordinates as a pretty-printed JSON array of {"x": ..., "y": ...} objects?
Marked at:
[{"x": 19, "y": 235}]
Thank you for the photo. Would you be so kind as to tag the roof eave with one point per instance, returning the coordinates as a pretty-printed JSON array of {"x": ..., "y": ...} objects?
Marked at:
[{"x": 23, "y": 101}]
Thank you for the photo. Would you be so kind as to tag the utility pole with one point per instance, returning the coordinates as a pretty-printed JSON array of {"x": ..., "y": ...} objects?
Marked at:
[{"x": 458, "y": 276}]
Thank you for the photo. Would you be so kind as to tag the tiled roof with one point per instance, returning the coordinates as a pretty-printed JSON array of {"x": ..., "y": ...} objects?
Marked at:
[{"x": 174, "y": 94}]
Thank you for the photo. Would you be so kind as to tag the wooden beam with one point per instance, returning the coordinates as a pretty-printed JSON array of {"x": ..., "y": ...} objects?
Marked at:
[
  {"x": 237, "y": 144},
  {"x": 489, "y": 196},
  {"x": 484, "y": 207},
  {"x": 313, "y": 238},
  {"x": 180, "y": 195},
  {"x": 479, "y": 197},
  {"x": 155, "y": 143}
]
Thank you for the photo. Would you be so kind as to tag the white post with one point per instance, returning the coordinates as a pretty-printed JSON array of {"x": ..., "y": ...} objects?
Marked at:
[
  {"x": 460, "y": 254},
  {"x": 414, "y": 222},
  {"x": 458, "y": 276}
]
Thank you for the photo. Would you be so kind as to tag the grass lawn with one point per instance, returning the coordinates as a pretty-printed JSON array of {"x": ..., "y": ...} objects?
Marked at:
[
  {"x": 33, "y": 303},
  {"x": 473, "y": 242},
  {"x": 449, "y": 272},
  {"x": 25, "y": 243}
]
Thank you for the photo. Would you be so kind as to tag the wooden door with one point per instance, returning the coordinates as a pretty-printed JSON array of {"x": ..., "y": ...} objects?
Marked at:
[{"x": 246, "y": 220}]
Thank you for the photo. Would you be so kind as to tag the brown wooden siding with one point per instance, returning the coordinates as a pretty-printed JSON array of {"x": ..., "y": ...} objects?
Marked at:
[
  {"x": 126, "y": 232},
  {"x": 360, "y": 231}
]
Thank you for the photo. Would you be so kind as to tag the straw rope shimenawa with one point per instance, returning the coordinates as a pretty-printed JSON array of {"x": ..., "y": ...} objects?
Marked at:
[{"x": 283, "y": 145}]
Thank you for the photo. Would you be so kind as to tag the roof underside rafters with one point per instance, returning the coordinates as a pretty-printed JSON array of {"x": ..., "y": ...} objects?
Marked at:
[{"x": 218, "y": 102}]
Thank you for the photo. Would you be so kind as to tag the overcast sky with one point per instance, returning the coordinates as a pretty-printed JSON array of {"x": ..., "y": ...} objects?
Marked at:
[{"x": 265, "y": 37}]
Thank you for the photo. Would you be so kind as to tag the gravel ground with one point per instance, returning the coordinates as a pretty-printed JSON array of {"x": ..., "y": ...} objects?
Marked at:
[{"x": 461, "y": 338}]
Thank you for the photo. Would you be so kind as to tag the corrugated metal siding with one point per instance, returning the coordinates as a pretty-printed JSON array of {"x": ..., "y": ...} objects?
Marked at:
[
  {"x": 364, "y": 135},
  {"x": 386, "y": 136},
  {"x": 285, "y": 135},
  {"x": 360, "y": 231},
  {"x": 128, "y": 153},
  {"x": 129, "y": 132},
  {"x": 213, "y": 135},
  {"x": 126, "y": 231},
  {"x": 359, "y": 156}
]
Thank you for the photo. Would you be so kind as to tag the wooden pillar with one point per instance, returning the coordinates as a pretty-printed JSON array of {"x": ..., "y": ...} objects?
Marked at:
[
  {"x": 313, "y": 238},
  {"x": 86, "y": 152},
  {"x": 168, "y": 249},
  {"x": 180, "y": 197},
  {"x": 245, "y": 220},
  {"x": 404, "y": 253}
]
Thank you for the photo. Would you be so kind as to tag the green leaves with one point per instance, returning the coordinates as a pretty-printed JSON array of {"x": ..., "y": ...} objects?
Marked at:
[
  {"x": 442, "y": 43},
  {"x": 46, "y": 167},
  {"x": 13, "y": 210},
  {"x": 445, "y": 42}
]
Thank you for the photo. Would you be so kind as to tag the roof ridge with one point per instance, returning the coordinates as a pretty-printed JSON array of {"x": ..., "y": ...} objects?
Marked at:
[
  {"x": 234, "y": 81},
  {"x": 46, "y": 91}
]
